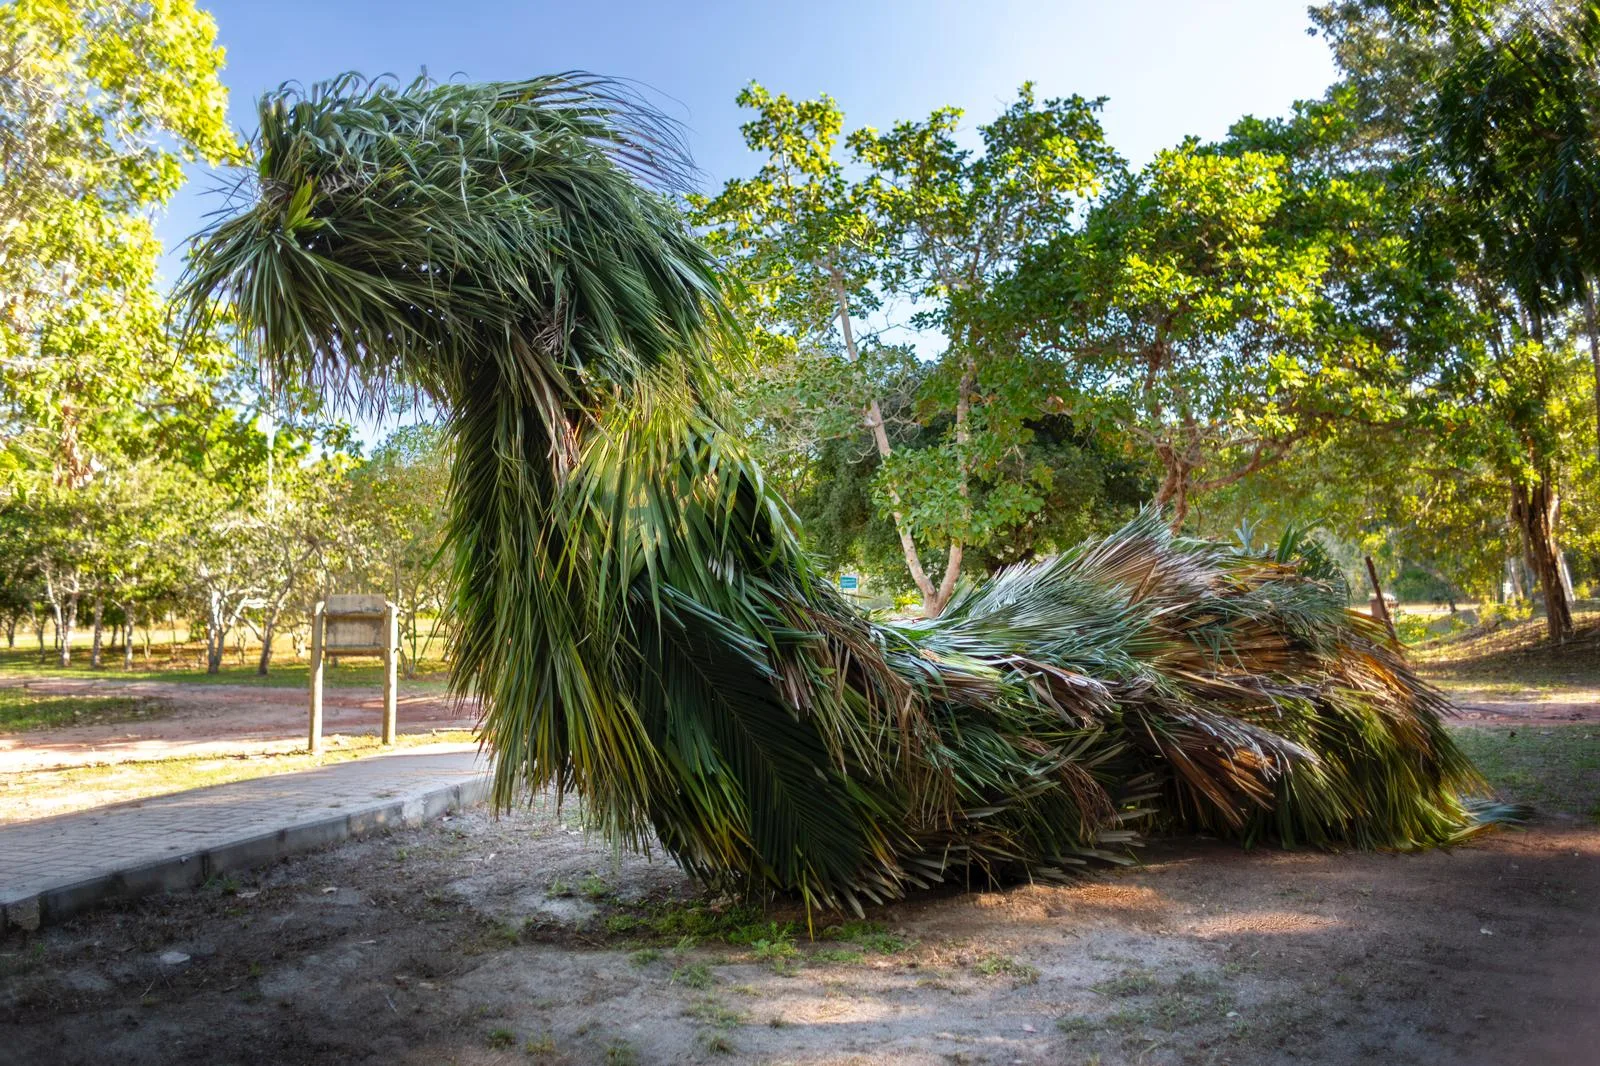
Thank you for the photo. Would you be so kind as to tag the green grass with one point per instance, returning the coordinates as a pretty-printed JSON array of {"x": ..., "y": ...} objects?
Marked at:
[
  {"x": 695, "y": 975},
  {"x": 696, "y": 921},
  {"x": 432, "y": 675},
  {"x": 1554, "y": 767},
  {"x": 21, "y": 710},
  {"x": 1128, "y": 983},
  {"x": 81, "y": 787},
  {"x": 1003, "y": 965},
  {"x": 868, "y": 936}
]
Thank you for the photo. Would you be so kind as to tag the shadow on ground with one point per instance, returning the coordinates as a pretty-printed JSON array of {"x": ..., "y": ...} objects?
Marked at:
[{"x": 477, "y": 940}]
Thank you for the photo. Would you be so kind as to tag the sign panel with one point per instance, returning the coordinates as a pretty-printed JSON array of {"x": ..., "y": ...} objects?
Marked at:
[
  {"x": 355, "y": 623},
  {"x": 849, "y": 582}
]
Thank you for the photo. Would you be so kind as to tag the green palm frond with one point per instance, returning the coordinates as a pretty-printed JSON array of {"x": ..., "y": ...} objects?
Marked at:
[{"x": 634, "y": 609}]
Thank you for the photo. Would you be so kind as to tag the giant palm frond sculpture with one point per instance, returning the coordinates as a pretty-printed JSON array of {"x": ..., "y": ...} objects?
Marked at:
[{"x": 633, "y": 606}]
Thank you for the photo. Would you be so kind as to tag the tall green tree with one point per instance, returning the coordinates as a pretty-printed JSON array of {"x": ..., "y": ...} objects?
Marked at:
[
  {"x": 1491, "y": 105},
  {"x": 101, "y": 102},
  {"x": 1190, "y": 302},
  {"x": 918, "y": 228}
]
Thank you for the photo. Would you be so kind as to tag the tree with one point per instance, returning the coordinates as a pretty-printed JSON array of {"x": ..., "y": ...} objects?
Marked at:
[
  {"x": 1487, "y": 103},
  {"x": 100, "y": 104},
  {"x": 928, "y": 229},
  {"x": 288, "y": 538},
  {"x": 1212, "y": 302},
  {"x": 397, "y": 507}
]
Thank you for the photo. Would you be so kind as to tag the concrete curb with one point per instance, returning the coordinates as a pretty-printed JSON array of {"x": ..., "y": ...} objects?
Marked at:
[{"x": 180, "y": 872}]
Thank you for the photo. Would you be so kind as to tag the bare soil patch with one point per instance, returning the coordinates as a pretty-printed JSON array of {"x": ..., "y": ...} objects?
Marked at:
[{"x": 518, "y": 940}]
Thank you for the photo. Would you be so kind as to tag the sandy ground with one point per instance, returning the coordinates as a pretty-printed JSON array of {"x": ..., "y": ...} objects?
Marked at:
[
  {"x": 477, "y": 941},
  {"x": 213, "y": 720}
]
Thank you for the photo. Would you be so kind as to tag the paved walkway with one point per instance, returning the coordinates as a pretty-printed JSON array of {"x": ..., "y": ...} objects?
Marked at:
[{"x": 52, "y": 867}]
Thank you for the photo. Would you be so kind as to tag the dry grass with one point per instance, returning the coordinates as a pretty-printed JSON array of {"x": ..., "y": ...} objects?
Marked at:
[
  {"x": 38, "y": 793},
  {"x": 1515, "y": 657},
  {"x": 21, "y": 710}
]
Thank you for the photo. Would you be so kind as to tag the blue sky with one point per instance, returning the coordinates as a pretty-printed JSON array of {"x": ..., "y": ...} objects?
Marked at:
[{"x": 1169, "y": 67}]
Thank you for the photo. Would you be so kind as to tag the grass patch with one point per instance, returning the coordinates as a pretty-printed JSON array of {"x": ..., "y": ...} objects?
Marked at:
[
  {"x": 1003, "y": 965},
  {"x": 694, "y": 975},
  {"x": 710, "y": 1012},
  {"x": 1515, "y": 657},
  {"x": 21, "y": 710},
  {"x": 1127, "y": 983},
  {"x": 621, "y": 1053},
  {"x": 1554, "y": 767},
  {"x": 689, "y": 922},
  {"x": 30, "y": 793},
  {"x": 871, "y": 937},
  {"x": 430, "y": 677}
]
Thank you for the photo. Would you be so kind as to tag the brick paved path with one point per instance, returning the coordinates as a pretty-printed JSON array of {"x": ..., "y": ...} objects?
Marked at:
[{"x": 52, "y": 867}]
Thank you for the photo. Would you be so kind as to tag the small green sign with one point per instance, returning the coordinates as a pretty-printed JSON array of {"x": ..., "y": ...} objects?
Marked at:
[{"x": 849, "y": 582}]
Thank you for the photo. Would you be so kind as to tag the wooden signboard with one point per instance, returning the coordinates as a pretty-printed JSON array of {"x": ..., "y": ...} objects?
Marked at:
[{"x": 354, "y": 625}]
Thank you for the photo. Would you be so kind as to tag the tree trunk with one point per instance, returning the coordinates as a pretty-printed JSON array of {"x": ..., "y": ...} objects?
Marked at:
[
  {"x": 880, "y": 439},
  {"x": 216, "y": 635},
  {"x": 1174, "y": 491},
  {"x": 1534, "y": 508},
  {"x": 97, "y": 642},
  {"x": 11, "y": 631},
  {"x": 268, "y": 624},
  {"x": 127, "y": 637},
  {"x": 67, "y": 621},
  {"x": 1380, "y": 606},
  {"x": 952, "y": 564}
]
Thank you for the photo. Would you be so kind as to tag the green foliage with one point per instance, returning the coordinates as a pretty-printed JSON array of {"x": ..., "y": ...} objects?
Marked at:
[
  {"x": 101, "y": 103},
  {"x": 918, "y": 227},
  {"x": 695, "y": 975},
  {"x": 1213, "y": 305}
]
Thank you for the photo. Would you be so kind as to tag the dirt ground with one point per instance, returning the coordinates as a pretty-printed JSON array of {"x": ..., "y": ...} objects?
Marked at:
[
  {"x": 484, "y": 941},
  {"x": 1478, "y": 707},
  {"x": 213, "y": 720}
]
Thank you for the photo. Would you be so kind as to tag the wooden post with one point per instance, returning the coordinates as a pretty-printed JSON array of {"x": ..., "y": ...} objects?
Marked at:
[
  {"x": 1380, "y": 609},
  {"x": 391, "y": 648},
  {"x": 314, "y": 743}
]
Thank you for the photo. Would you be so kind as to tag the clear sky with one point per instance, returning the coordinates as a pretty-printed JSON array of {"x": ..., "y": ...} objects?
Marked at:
[{"x": 1169, "y": 67}]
